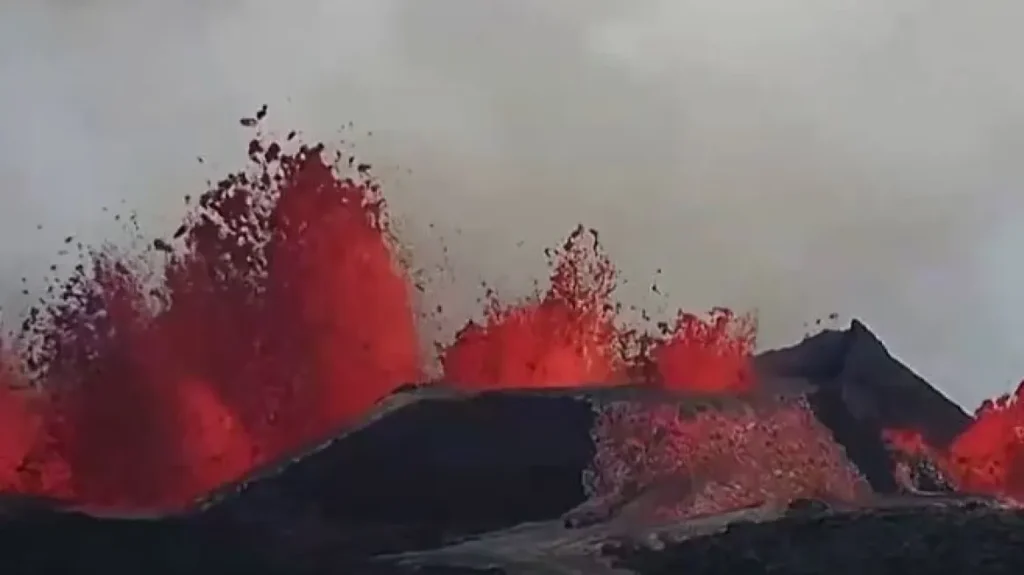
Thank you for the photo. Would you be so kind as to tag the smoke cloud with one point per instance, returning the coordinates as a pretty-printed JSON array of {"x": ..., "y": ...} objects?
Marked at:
[{"x": 797, "y": 157}]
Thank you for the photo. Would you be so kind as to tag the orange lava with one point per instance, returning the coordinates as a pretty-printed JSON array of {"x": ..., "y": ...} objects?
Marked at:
[
  {"x": 279, "y": 312},
  {"x": 988, "y": 457},
  {"x": 19, "y": 429},
  {"x": 563, "y": 337},
  {"x": 709, "y": 355},
  {"x": 570, "y": 335}
]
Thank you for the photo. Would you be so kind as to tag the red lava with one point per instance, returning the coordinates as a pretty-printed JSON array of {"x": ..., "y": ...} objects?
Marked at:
[
  {"x": 988, "y": 457},
  {"x": 563, "y": 337},
  {"x": 281, "y": 312}
]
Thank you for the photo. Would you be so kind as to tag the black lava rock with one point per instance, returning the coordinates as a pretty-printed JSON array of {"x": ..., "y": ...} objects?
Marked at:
[
  {"x": 923, "y": 540},
  {"x": 439, "y": 469},
  {"x": 874, "y": 387}
]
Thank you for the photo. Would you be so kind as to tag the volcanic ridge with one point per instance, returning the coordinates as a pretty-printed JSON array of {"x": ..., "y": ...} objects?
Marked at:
[{"x": 256, "y": 403}]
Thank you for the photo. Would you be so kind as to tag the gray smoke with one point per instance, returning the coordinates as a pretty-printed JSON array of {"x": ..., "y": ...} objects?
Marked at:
[{"x": 797, "y": 157}]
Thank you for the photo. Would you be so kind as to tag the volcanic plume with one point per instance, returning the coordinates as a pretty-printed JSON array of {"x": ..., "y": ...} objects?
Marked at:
[{"x": 279, "y": 311}]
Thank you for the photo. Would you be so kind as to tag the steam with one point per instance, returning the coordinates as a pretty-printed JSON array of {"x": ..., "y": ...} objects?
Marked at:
[{"x": 800, "y": 157}]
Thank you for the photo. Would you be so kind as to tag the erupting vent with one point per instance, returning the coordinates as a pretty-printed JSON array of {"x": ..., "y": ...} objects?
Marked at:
[{"x": 279, "y": 312}]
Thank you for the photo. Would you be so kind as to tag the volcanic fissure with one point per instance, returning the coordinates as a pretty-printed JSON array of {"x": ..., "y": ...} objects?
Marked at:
[{"x": 279, "y": 312}]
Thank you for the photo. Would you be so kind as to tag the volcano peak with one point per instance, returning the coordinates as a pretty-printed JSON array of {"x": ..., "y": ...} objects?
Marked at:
[{"x": 875, "y": 386}]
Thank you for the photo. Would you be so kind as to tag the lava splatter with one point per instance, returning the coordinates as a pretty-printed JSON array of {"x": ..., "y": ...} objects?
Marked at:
[
  {"x": 279, "y": 315},
  {"x": 279, "y": 311},
  {"x": 563, "y": 337}
]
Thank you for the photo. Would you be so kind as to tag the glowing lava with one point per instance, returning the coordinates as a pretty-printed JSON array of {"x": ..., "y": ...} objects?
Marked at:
[
  {"x": 710, "y": 355},
  {"x": 19, "y": 429},
  {"x": 281, "y": 315},
  {"x": 570, "y": 335},
  {"x": 282, "y": 312},
  {"x": 988, "y": 457},
  {"x": 563, "y": 337}
]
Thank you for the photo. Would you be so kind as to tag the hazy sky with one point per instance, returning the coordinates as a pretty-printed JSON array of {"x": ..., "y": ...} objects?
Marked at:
[{"x": 797, "y": 156}]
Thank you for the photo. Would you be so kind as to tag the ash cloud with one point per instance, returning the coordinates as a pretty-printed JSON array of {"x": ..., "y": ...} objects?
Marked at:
[{"x": 798, "y": 157}]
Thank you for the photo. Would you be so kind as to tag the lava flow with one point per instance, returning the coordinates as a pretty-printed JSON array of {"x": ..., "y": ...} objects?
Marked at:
[
  {"x": 281, "y": 312},
  {"x": 986, "y": 458}
]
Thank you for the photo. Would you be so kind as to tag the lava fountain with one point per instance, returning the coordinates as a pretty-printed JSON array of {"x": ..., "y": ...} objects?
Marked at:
[{"x": 279, "y": 312}]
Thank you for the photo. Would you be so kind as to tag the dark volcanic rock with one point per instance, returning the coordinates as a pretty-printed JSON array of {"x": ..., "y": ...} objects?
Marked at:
[
  {"x": 434, "y": 469},
  {"x": 53, "y": 541},
  {"x": 861, "y": 439},
  {"x": 862, "y": 391},
  {"x": 922, "y": 540},
  {"x": 431, "y": 469},
  {"x": 874, "y": 387},
  {"x": 437, "y": 469}
]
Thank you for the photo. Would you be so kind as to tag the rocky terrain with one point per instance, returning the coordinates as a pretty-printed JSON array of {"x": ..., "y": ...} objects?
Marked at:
[{"x": 792, "y": 479}]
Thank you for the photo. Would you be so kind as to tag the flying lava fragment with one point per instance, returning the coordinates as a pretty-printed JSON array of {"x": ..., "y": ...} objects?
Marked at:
[{"x": 279, "y": 311}]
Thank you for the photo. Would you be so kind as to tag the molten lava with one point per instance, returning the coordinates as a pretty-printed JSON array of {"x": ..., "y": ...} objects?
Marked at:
[
  {"x": 282, "y": 312},
  {"x": 563, "y": 337},
  {"x": 18, "y": 433},
  {"x": 281, "y": 315},
  {"x": 987, "y": 458},
  {"x": 707, "y": 355}
]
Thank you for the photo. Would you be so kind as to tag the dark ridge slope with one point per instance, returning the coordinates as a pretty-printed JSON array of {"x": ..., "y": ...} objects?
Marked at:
[
  {"x": 876, "y": 388},
  {"x": 862, "y": 442},
  {"x": 430, "y": 471}
]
